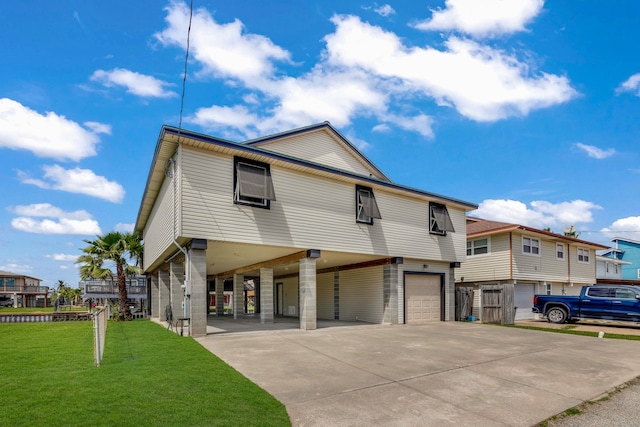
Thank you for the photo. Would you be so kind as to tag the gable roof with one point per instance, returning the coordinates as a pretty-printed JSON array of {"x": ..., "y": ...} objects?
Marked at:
[
  {"x": 9, "y": 274},
  {"x": 623, "y": 239},
  {"x": 170, "y": 138},
  {"x": 334, "y": 133},
  {"x": 477, "y": 227}
]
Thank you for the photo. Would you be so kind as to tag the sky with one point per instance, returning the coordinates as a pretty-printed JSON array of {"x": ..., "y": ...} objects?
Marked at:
[{"x": 528, "y": 108}]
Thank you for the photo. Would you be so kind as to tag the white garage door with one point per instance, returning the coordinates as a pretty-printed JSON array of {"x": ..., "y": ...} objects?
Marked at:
[
  {"x": 422, "y": 298},
  {"x": 523, "y": 300}
]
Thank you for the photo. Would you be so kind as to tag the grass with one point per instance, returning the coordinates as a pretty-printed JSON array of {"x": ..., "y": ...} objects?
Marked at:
[{"x": 149, "y": 376}]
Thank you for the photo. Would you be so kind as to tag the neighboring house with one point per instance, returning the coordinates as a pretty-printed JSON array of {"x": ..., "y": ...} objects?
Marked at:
[
  {"x": 24, "y": 291},
  {"x": 317, "y": 226},
  {"x": 535, "y": 261},
  {"x": 101, "y": 290},
  {"x": 626, "y": 250},
  {"x": 609, "y": 270}
]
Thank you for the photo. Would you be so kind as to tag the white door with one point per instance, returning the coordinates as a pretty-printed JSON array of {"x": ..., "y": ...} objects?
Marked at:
[
  {"x": 422, "y": 298},
  {"x": 523, "y": 300}
]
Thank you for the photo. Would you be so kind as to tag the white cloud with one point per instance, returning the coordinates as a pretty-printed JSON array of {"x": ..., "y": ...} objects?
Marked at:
[
  {"x": 224, "y": 50},
  {"x": 362, "y": 72},
  {"x": 63, "y": 257},
  {"x": 632, "y": 84},
  {"x": 384, "y": 10},
  {"x": 540, "y": 214},
  {"x": 48, "y": 210},
  {"x": 382, "y": 127},
  {"x": 47, "y": 135},
  {"x": 628, "y": 228},
  {"x": 483, "y": 83},
  {"x": 125, "y": 227},
  {"x": 76, "y": 180},
  {"x": 136, "y": 83},
  {"x": 16, "y": 268},
  {"x": 78, "y": 222},
  {"x": 483, "y": 18},
  {"x": 595, "y": 152}
]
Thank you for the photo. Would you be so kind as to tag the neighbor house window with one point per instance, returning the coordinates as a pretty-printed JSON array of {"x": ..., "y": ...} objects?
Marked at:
[
  {"x": 439, "y": 219},
  {"x": 548, "y": 288},
  {"x": 252, "y": 183},
  {"x": 530, "y": 246},
  {"x": 583, "y": 255},
  {"x": 478, "y": 246},
  {"x": 559, "y": 251},
  {"x": 366, "y": 206}
]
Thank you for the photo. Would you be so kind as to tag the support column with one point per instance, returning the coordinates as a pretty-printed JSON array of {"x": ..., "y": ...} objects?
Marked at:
[
  {"x": 219, "y": 297},
  {"x": 164, "y": 293},
  {"x": 390, "y": 293},
  {"x": 154, "y": 304},
  {"x": 308, "y": 303},
  {"x": 176, "y": 280},
  {"x": 450, "y": 296},
  {"x": 238, "y": 295},
  {"x": 336, "y": 295},
  {"x": 266, "y": 295},
  {"x": 197, "y": 288}
]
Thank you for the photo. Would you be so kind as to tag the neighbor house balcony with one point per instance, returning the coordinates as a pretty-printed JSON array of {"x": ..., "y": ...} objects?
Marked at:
[{"x": 136, "y": 288}]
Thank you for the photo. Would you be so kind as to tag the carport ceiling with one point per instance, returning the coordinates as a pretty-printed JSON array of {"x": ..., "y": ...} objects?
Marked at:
[{"x": 223, "y": 256}]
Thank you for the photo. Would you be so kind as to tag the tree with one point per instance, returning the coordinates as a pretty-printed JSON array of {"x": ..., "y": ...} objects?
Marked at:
[{"x": 119, "y": 249}]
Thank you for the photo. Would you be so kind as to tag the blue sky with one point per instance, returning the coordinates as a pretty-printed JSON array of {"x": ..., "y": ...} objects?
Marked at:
[{"x": 528, "y": 108}]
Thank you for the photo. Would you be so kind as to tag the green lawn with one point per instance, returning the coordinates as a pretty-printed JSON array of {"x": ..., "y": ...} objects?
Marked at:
[{"x": 149, "y": 377}]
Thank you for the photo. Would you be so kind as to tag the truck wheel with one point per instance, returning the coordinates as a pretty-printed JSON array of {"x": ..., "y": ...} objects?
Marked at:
[{"x": 557, "y": 315}]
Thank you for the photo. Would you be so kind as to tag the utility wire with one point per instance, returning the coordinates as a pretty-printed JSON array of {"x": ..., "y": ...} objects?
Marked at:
[{"x": 186, "y": 62}]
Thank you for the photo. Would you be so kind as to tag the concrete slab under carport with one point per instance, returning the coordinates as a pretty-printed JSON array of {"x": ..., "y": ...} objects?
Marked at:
[{"x": 435, "y": 374}]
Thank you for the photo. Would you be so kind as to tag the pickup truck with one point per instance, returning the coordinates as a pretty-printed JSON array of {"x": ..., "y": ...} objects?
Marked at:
[{"x": 611, "y": 302}]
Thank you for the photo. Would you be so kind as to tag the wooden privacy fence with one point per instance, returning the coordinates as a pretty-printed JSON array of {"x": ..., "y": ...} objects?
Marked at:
[
  {"x": 464, "y": 302},
  {"x": 497, "y": 304}
]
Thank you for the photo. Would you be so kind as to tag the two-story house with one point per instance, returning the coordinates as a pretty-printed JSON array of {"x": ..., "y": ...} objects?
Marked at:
[
  {"x": 319, "y": 229},
  {"x": 535, "y": 261},
  {"x": 24, "y": 291}
]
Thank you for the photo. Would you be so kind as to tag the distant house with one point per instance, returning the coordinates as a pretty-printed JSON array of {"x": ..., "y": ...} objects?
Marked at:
[
  {"x": 24, "y": 291},
  {"x": 534, "y": 261},
  {"x": 102, "y": 290},
  {"x": 629, "y": 251},
  {"x": 609, "y": 270},
  {"x": 321, "y": 231}
]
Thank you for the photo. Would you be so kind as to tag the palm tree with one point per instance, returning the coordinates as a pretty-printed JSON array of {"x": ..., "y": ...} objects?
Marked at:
[{"x": 119, "y": 248}]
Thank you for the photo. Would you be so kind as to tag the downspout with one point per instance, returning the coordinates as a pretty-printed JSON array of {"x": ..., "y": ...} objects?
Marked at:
[
  {"x": 187, "y": 270},
  {"x": 511, "y": 255}
]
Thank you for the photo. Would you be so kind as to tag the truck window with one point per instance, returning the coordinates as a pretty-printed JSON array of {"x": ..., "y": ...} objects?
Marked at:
[
  {"x": 600, "y": 292},
  {"x": 625, "y": 293}
]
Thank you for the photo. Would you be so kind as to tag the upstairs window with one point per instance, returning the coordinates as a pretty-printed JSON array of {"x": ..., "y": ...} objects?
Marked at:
[
  {"x": 477, "y": 247},
  {"x": 366, "y": 206},
  {"x": 559, "y": 251},
  {"x": 530, "y": 246},
  {"x": 439, "y": 220},
  {"x": 252, "y": 183},
  {"x": 583, "y": 255}
]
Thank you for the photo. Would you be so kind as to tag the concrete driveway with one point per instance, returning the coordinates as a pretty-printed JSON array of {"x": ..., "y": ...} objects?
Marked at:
[{"x": 439, "y": 374}]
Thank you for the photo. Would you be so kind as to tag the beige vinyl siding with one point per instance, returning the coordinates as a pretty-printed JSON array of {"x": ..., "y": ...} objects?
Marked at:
[
  {"x": 290, "y": 288},
  {"x": 324, "y": 295},
  {"x": 492, "y": 266},
  {"x": 310, "y": 212},
  {"x": 158, "y": 234},
  {"x": 582, "y": 272},
  {"x": 319, "y": 147},
  {"x": 361, "y": 295},
  {"x": 543, "y": 267}
]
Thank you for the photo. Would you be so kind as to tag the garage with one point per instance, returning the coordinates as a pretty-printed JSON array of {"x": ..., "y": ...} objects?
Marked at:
[
  {"x": 523, "y": 300},
  {"x": 423, "y": 298}
]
